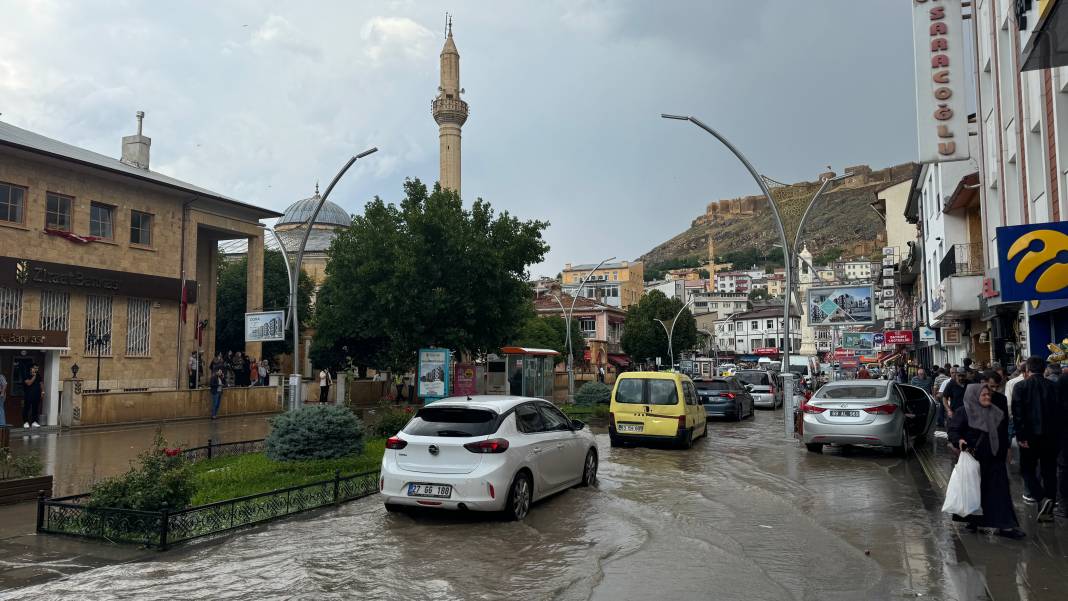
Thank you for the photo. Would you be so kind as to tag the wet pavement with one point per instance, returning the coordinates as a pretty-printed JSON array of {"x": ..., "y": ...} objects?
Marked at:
[{"x": 745, "y": 514}]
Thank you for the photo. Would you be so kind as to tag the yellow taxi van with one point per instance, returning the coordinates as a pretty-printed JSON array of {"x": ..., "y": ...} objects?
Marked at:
[{"x": 650, "y": 406}]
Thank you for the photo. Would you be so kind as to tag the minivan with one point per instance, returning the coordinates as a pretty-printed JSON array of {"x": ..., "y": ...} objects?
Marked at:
[
  {"x": 651, "y": 406},
  {"x": 761, "y": 387}
]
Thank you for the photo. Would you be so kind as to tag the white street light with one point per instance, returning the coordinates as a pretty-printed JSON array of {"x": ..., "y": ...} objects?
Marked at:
[
  {"x": 671, "y": 332},
  {"x": 567, "y": 318}
]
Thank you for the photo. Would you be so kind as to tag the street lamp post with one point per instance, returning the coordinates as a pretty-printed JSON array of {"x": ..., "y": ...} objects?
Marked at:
[
  {"x": 671, "y": 332},
  {"x": 98, "y": 343},
  {"x": 567, "y": 318},
  {"x": 296, "y": 393}
]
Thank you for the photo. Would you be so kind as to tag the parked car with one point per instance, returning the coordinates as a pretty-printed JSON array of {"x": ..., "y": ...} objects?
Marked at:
[
  {"x": 761, "y": 387},
  {"x": 727, "y": 369},
  {"x": 486, "y": 453},
  {"x": 867, "y": 412},
  {"x": 725, "y": 397},
  {"x": 650, "y": 406}
]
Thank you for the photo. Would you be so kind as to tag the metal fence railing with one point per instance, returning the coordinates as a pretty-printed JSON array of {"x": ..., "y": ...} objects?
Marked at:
[
  {"x": 224, "y": 449},
  {"x": 160, "y": 529}
]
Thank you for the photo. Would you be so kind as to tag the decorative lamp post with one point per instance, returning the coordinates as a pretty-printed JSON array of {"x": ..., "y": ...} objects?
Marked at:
[
  {"x": 97, "y": 343},
  {"x": 671, "y": 332},
  {"x": 567, "y": 318}
]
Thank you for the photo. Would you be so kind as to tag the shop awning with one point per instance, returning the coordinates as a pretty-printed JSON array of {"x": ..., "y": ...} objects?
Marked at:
[
  {"x": 620, "y": 360},
  {"x": 1048, "y": 44},
  {"x": 890, "y": 358}
]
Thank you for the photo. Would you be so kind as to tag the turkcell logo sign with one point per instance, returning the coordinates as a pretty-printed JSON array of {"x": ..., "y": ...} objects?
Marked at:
[{"x": 1034, "y": 261}]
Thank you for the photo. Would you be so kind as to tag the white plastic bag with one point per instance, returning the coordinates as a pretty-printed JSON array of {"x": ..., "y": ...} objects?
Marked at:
[{"x": 962, "y": 495}]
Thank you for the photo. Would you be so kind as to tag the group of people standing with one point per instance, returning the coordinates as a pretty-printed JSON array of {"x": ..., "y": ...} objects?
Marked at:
[
  {"x": 228, "y": 371},
  {"x": 32, "y": 398},
  {"x": 984, "y": 412}
]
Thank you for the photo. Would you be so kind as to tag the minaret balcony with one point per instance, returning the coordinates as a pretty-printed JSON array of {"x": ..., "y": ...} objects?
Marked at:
[{"x": 449, "y": 110}]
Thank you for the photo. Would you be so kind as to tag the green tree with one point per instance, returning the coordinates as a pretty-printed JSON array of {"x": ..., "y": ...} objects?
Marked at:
[
  {"x": 230, "y": 301},
  {"x": 644, "y": 338},
  {"x": 426, "y": 272},
  {"x": 551, "y": 332}
]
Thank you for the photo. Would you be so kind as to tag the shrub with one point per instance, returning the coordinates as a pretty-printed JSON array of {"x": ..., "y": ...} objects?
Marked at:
[
  {"x": 160, "y": 476},
  {"x": 25, "y": 466},
  {"x": 593, "y": 393},
  {"x": 315, "y": 432},
  {"x": 389, "y": 419}
]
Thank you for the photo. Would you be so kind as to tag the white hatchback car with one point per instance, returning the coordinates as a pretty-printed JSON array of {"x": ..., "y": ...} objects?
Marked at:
[{"x": 486, "y": 453}]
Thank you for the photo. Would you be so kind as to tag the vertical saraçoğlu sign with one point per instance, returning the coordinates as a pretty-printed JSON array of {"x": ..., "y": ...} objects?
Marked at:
[{"x": 941, "y": 81}]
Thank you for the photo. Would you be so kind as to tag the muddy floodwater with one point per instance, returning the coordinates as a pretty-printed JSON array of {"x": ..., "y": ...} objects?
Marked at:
[{"x": 745, "y": 514}]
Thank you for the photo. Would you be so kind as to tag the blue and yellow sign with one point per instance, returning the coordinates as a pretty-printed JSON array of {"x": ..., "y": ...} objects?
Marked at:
[{"x": 1034, "y": 261}]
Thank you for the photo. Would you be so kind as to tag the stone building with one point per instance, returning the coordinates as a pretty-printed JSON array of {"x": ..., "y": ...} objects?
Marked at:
[{"x": 105, "y": 262}]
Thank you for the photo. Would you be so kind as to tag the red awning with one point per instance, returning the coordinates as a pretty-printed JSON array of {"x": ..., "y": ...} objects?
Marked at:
[
  {"x": 619, "y": 360},
  {"x": 889, "y": 358}
]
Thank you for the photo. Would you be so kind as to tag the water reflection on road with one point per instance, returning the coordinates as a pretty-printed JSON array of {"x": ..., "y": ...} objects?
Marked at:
[{"x": 743, "y": 515}]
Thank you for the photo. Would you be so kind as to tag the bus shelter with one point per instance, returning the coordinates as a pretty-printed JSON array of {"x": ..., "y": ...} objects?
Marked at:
[{"x": 531, "y": 371}]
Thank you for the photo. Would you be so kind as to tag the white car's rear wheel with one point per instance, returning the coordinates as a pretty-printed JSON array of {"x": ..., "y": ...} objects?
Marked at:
[{"x": 520, "y": 496}]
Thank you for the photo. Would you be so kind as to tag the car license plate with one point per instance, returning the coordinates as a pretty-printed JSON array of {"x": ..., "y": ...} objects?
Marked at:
[
  {"x": 420, "y": 489},
  {"x": 839, "y": 413},
  {"x": 629, "y": 427}
]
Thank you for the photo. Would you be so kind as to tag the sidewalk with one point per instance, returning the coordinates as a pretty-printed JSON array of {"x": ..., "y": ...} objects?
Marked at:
[{"x": 1033, "y": 568}]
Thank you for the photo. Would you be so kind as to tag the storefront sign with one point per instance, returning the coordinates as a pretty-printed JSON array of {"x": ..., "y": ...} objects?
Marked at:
[
  {"x": 465, "y": 381},
  {"x": 766, "y": 351},
  {"x": 950, "y": 336},
  {"x": 990, "y": 289},
  {"x": 433, "y": 373},
  {"x": 33, "y": 339},
  {"x": 899, "y": 337},
  {"x": 1031, "y": 261},
  {"x": 75, "y": 278},
  {"x": 928, "y": 335},
  {"x": 941, "y": 77}
]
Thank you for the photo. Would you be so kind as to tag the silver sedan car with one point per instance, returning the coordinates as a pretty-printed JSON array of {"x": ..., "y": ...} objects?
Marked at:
[{"x": 867, "y": 412}]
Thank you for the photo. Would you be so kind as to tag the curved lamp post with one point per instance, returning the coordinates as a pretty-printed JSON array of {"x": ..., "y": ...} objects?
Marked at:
[
  {"x": 296, "y": 393},
  {"x": 671, "y": 331},
  {"x": 567, "y": 318}
]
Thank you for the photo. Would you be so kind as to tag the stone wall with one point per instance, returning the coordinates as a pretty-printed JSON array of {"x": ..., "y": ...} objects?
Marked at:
[{"x": 92, "y": 409}]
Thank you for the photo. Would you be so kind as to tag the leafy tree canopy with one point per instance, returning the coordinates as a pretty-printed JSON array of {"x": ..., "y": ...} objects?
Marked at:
[
  {"x": 644, "y": 339},
  {"x": 759, "y": 294},
  {"x": 230, "y": 301},
  {"x": 426, "y": 272}
]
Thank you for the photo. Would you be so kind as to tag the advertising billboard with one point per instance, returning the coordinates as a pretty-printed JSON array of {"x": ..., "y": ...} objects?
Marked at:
[
  {"x": 433, "y": 373},
  {"x": 840, "y": 305},
  {"x": 861, "y": 341},
  {"x": 1031, "y": 263},
  {"x": 265, "y": 326}
]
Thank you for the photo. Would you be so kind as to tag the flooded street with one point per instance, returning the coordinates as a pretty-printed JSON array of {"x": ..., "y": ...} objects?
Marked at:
[{"x": 743, "y": 515}]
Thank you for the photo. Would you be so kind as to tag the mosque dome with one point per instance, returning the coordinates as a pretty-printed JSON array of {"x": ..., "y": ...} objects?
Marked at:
[{"x": 331, "y": 215}]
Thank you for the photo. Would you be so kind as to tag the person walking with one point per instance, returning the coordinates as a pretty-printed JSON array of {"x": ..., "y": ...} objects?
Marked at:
[
  {"x": 953, "y": 393},
  {"x": 3, "y": 399},
  {"x": 262, "y": 370},
  {"x": 33, "y": 395},
  {"x": 324, "y": 385},
  {"x": 920, "y": 380},
  {"x": 600, "y": 374},
  {"x": 1061, "y": 509},
  {"x": 936, "y": 390},
  {"x": 981, "y": 428},
  {"x": 218, "y": 382},
  {"x": 863, "y": 373},
  {"x": 1034, "y": 412}
]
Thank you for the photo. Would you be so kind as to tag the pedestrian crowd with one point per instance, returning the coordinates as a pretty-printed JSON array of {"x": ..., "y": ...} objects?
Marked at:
[{"x": 991, "y": 412}]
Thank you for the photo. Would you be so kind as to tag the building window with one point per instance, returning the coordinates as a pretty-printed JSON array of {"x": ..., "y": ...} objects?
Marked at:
[
  {"x": 588, "y": 325},
  {"x": 55, "y": 311},
  {"x": 140, "y": 228},
  {"x": 12, "y": 201},
  {"x": 10, "y": 308},
  {"x": 101, "y": 220},
  {"x": 769, "y": 342},
  {"x": 771, "y": 324},
  {"x": 57, "y": 212},
  {"x": 138, "y": 327},
  {"x": 98, "y": 325},
  {"x": 754, "y": 325}
]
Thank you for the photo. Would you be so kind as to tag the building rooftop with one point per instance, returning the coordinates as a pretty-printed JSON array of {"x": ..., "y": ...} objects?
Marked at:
[
  {"x": 770, "y": 311},
  {"x": 589, "y": 266},
  {"x": 548, "y": 304},
  {"x": 16, "y": 137}
]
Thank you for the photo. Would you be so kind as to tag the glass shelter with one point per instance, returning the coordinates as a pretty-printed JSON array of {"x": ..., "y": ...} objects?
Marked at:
[{"x": 531, "y": 371}]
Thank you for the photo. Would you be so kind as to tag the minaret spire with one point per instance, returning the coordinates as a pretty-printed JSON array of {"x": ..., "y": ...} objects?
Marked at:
[{"x": 450, "y": 112}]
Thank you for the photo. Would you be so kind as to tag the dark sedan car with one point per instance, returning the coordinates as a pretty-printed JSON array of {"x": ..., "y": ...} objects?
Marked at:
[{"x": 725, "y": 397}]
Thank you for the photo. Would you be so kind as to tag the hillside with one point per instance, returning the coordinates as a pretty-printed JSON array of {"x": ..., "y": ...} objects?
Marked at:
[{"x": 843, "y": 220}]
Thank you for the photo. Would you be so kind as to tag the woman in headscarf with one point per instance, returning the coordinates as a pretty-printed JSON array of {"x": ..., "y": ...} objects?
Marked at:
[{"x": 980, "y": 427}]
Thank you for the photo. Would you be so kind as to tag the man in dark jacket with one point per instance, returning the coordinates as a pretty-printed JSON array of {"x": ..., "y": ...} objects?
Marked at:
[
  {"x": 1034, "y": 414},
  {"x": 1062, "y": 457}
]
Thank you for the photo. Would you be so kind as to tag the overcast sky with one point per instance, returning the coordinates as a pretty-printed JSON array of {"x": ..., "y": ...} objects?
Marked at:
[{"x": 258, "y": 100}]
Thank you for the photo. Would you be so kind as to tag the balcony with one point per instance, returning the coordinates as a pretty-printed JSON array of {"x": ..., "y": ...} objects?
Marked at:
[
  {"x": 962, "y": 259},
  {"x": 957, "y": 297}
]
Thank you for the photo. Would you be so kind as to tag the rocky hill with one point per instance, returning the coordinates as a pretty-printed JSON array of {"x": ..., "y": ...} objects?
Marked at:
[{"x": 843, "y": 219}]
